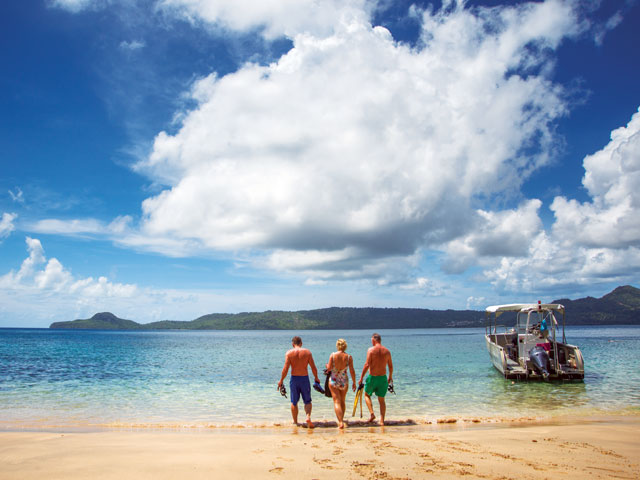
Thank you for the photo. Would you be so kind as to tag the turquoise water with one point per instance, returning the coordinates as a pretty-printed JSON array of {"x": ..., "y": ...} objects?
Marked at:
[{"x": 222, "y": 378}]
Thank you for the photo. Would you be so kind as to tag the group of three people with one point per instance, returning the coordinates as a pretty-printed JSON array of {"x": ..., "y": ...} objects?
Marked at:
[{"x": 339, "y": 365}]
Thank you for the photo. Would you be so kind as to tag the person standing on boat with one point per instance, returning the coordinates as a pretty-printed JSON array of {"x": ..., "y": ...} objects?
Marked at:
[
  {"x": 378, "y": 359},
  {"x": 544, "y": 329},
  {"x": 299, "y": 359}
]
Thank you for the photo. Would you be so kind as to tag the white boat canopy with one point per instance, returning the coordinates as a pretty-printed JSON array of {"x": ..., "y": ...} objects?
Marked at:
[{"x": 524, "y": 307}]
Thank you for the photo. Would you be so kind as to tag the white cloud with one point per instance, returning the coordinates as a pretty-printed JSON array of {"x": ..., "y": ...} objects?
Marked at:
[
  {"x": 53, "y": 277},
  {"x": 75, "y": 6},
  {"x": 352, "y": 155},
  {"x": 612, "y": 178},
  {"x": 81, "y": 227},
  {"x": 133, "y": 45},
  {"x": 6, "y": 224},
  {"x": 475, "y": 303},
  {"x": 270, "y": 18},
  {"x": 592, "y": 242},
  {"x": 554, "y": 264},
  {"x": 274, "y": 17},
  {"x": 37, "y": 275},
  {"x": 36, "y": 257},
  {"x": 352, "y": 149},
  {"x": 495, "y": 234},
  {"x": 424, "y": 285}
]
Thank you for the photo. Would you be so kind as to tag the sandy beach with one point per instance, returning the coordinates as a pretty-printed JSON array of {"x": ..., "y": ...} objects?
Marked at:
[{"x": 603, "y": 448}]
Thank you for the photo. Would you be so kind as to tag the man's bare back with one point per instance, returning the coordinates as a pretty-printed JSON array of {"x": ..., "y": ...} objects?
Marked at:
[
  {"x": 300, "y": 358},
  {"x": 378, "y": 357}
]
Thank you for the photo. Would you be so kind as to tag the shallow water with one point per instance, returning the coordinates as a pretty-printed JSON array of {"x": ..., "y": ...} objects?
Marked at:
[{"x": 205, "y": 378}]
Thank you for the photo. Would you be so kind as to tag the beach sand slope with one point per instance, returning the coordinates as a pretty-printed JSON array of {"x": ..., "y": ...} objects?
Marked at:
[{"x": 583, "y": 450}]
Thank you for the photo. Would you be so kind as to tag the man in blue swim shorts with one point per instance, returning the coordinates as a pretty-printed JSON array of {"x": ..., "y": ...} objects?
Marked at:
[
  {"x": 378, "y": 359},
  {"x": 299, "y": 359}
]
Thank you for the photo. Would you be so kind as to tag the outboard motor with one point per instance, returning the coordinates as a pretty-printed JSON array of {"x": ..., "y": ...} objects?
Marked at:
[{"x": 540, "y": 359}]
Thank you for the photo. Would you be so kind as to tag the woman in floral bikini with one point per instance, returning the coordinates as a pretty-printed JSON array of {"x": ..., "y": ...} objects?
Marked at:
[{"x": 338, "y": 364}]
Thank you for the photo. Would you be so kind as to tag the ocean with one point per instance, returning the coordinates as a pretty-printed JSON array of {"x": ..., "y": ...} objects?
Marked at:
[{"x": 193, "y": 379}]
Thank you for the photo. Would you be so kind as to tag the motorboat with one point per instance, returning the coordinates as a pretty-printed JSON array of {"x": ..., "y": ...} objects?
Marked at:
[{"x": 532, "y": 347}]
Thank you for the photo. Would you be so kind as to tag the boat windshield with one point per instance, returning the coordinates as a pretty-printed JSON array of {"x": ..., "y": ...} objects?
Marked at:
[
  {"x": 535, "y": 318},
  {"x": 526, "y": 319}
]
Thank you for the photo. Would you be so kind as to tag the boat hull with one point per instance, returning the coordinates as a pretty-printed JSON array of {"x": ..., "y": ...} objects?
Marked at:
[{"x": 511, "y": 369}]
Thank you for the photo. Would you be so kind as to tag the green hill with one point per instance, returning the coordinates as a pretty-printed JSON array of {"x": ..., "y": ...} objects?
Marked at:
[
  {"x": 100, "y": 321},
  {"x": 621, "y": 306}
]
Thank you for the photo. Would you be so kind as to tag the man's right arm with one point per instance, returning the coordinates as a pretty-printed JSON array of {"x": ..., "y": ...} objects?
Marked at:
[{"x": 285, "y": 369}]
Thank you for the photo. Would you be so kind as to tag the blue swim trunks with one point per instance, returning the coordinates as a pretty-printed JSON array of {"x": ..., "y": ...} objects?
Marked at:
[{"x": 300, "y": 385}]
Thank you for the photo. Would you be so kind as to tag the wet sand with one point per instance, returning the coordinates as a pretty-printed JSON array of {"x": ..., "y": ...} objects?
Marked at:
[{"x": 577, "y": 448}]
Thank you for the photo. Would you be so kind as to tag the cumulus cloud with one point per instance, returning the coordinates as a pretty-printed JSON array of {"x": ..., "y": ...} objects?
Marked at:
[
  {"x": 39, "y": 275},
  {"x": 555, "y": 265},
  {"x": 353, "y": 154},
  {"x": 612, "y": 178},
  {"x": 6, "y": 224},
  {"x": 591, "y": 242},
  {"x": 495, "y": 234},
  {"x": 354, "y": 150},
  {"x": 273, "y": 17}
]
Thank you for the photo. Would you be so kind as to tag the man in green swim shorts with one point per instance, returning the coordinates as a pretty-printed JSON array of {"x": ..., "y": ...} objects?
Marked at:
[{"x": 378, "y": 358}]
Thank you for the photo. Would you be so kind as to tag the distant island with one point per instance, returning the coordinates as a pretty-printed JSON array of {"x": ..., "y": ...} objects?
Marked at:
[{"x": 619, "y": 307}]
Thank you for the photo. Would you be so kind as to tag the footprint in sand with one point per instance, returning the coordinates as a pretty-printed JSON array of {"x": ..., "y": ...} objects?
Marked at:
[
  {"x": 363, "y": 468},
  {"x": 276, "y": 470},
  {"x": 323, "y": 462}
]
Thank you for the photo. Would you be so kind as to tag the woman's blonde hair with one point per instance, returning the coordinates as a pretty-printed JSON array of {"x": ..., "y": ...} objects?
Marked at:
[{"x": 341, "y": 344}]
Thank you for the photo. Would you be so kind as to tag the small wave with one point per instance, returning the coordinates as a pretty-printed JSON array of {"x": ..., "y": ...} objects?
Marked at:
[
  {"x": 239, "y": 426},
  {"x": 431, "y": 422}
]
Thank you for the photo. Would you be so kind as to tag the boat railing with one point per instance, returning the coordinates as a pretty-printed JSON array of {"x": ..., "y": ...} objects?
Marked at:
[{"x": 493, "y": 329}]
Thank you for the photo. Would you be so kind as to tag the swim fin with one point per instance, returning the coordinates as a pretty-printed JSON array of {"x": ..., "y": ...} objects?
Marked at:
[
  {"x": 318, "y": 388},
  {"x": 390, "y": 388},
  {"x": 283, "y": 391},
  {"x": 357, "y": 400}
]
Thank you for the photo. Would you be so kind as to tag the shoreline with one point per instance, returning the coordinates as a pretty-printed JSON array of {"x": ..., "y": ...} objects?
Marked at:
[
  {"x": 451, "y": 422},
  {"x": 598, "y": 447}
]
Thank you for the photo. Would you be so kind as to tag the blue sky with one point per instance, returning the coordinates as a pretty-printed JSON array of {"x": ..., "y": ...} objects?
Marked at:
[{"x": 164, "y": 159}]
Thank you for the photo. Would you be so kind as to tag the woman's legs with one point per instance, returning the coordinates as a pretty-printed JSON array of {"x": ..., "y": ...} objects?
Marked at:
[
  {"x": 335, "y": 393},
  {"x": 343, "y": 398},
  {"x": 338, "y": 404}
]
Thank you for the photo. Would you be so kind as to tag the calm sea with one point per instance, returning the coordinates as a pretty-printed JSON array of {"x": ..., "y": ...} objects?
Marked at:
[{"x": 66, "y": 378}]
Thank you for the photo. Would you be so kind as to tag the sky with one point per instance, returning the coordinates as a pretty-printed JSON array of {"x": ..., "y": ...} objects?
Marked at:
[{"x": 166, "y": 159}]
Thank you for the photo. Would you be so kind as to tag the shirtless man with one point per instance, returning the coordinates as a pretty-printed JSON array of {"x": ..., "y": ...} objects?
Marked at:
[
  {"x": 378, "y": 358},
  {"x": 298, "y": 359}
]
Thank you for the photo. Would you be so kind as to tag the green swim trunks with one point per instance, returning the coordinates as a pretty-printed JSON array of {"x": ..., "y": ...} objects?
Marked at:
[{"x": 376, "y": 384}]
